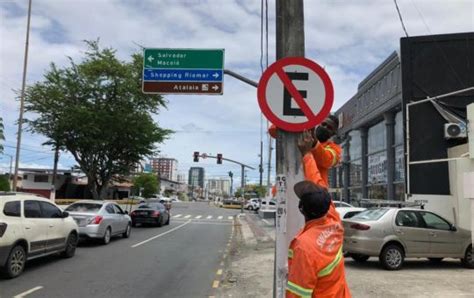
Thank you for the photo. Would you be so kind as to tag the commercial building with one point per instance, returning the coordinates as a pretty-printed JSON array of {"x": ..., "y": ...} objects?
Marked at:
[
  {"x": 218, "y": 186},
  {"x": 373, "y": 126},
  {"x": 165, "y": 167},
  {"x": 196, "y": 177}
]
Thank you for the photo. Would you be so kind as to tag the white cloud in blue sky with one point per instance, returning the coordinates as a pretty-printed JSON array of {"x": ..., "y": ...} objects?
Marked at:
[{"x": 349, "y": 38}]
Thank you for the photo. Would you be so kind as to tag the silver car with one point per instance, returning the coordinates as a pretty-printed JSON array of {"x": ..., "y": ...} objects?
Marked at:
[
  {"x": 393, "y": 234},
  {"x": 100, "y": 220}
]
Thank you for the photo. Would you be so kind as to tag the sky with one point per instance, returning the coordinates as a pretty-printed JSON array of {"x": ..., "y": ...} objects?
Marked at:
[{"x": 348, "y": 38}]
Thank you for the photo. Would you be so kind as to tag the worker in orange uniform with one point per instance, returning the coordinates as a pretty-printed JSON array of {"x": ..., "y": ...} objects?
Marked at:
[
  {"x": 315, "y": 258},
  {"x": 327, "y": 154}
]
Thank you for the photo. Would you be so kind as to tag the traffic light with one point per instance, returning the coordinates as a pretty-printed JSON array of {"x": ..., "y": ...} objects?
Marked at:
[
  {"x": 196, "y": 156},
  {"x": 231, "y": 174},
  {"x": 219, "y": 158}
]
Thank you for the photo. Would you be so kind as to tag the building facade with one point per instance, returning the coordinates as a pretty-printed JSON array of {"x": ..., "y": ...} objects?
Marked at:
[
  {"x": 373, "y": 123},
  {"x": 219, "y": 186},
  {"x": 196, "y": 177},
  {"x": 165, "y": 167}
]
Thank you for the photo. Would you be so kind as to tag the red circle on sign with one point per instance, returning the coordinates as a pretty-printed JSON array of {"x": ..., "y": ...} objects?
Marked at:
[{"x": 313, "y": 119}]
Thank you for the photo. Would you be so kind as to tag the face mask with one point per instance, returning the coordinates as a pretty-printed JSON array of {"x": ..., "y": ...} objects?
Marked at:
[{"x": 322, "y": 134}]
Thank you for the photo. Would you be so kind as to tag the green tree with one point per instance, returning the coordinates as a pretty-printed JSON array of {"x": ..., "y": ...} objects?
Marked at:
[
  {"x": 149, "y": 183},
  {"x": 96, "y": 110},
  {"x": 4, "y": 183}
]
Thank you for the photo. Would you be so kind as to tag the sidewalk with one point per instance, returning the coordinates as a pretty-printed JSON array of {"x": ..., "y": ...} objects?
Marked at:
[{"x": 249, "y": 271}]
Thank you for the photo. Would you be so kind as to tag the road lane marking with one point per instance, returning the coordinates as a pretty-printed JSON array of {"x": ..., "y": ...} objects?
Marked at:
[
  {"x": 219, "y": 272},
  {"x": 215, "y": 284},
  {"x": 230, "y": 217},
  {"x": 220, "y": 217},
  {"x": 177, "y": 215},
  {"x": 159, "y": 235},
  {"x": 187, "y": 216},
  {"x": 28, "y": 292},
  {"x": 209, "y": 217},
  {"x": 198, "y": 217}
]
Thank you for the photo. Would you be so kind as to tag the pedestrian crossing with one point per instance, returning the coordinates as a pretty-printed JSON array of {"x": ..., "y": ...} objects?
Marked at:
[{"x": 202, "y": 217}]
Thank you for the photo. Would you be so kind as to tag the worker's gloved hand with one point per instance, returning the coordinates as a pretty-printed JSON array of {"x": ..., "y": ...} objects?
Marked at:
[
  {"x": 305, "y": 143},
  {"x": 322, "y": 134}
]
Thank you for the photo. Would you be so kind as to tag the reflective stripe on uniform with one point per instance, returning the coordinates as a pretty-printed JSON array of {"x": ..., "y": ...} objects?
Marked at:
[
  {"x": 295, "y": 289},
  {"x": 329, "y": 268},
  {"x": 290, "y": 254},
  {"x": 334, "y": 154}
]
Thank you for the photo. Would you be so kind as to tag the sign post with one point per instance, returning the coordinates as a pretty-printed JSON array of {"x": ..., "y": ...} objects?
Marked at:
[{"x": 183, "y": 71}]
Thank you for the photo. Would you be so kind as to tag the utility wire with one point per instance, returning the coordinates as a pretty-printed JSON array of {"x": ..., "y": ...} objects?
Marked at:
[{"x": 400, "y": 16}]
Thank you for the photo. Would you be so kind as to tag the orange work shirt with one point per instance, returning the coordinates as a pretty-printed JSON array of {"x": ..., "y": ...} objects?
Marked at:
[
  {"x": 315, "y": 258},
  {"x": 326, "y": 155}
]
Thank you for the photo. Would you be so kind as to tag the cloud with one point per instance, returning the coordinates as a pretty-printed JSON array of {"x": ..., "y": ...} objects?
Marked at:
[{"x": 348, "y": 38}]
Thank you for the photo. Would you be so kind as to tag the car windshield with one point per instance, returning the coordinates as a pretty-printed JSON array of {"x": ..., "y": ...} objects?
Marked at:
[
  {"x": 372, "y": 214},
  {"x": 84, "y": 207}
]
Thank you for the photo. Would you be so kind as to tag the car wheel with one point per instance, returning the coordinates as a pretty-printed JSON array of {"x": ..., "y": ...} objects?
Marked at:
[
  {"x": 435, "y": 260},
  {"x": 159, "y": 222},
  {"x": 71, "y": 245},
  {"x": 392, "y": 257},
  {"x": 359, "y": 258},
  {"x": 16, "y": 262},
  {"x": 467, "y": 261},
  {"x": 107, "y": 236},
  {"x": 127, "y": 232},
  {"x": 250, "y": 208}
]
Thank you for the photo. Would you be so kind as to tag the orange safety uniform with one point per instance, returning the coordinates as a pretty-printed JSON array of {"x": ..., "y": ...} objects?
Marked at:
[
  {"x": 327, "y": 154},
  {"x": 315, "y": 258}
]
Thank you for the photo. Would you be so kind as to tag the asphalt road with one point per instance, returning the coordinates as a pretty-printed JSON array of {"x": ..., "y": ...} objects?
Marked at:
[{"x": 179, "y": 260}]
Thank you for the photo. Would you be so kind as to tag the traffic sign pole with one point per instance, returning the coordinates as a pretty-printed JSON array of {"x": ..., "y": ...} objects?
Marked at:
[{"x": 290, "y": 43}]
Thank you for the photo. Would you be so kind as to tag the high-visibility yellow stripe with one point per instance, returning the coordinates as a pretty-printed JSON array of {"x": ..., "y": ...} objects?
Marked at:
[
  {"x": 294, "y": 288},
  {"x": 329, "y": 268},
  {"x": 290, "y": 254},
  {"x": 334, "y": 154}
]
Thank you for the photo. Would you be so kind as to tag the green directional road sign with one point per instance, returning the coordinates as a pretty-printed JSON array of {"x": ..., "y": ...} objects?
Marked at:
[{"x": 183, "y": 71}]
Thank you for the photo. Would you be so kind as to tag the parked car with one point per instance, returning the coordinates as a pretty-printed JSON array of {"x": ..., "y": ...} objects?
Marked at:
[
  {"x": 100, "y": 220},
  {"x": 252, "y": 204},
  {"x": 32, "y": 227},
  {"x": 395, "y": 233},
  {"x": 151, "y": 213},
  {"x": 271, "y": 204},
  {"x": 346, "y": 210}
]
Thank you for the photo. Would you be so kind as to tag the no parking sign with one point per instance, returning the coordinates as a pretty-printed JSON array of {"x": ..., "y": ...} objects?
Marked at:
[{"x": 295, "y": 94}]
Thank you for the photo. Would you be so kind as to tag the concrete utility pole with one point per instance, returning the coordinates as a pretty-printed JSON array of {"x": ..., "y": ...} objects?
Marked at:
[
  {"x": 22, "y": 99},
  {"x": 289, "y": 43}
]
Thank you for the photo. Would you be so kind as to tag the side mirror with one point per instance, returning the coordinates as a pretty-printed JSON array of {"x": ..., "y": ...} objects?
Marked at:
[
  {"x": 126, "y": 212},
  {"x": 65, "y": 214},
  {"x": 453, "y": 228}
]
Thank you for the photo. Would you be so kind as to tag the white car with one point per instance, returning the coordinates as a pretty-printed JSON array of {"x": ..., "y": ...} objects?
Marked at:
[
  {"x": 346, "y": 210},
  {"x": 32, "y": 227},
  {"x": 252, "y": 204}
]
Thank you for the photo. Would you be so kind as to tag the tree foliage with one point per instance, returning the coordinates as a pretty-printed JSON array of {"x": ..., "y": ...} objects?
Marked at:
[
  {"x": 4, "y": 183},
  {"x": 96, "y": 110},
  {"x": 148, "y": 183}
]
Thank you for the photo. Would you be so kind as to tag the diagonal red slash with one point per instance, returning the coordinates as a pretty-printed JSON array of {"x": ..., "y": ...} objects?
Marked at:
[{"x": 295, "y": 94}]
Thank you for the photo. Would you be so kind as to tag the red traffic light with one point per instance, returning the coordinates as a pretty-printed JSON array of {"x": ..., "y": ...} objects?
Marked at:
[{"x": 219, "y": 158}]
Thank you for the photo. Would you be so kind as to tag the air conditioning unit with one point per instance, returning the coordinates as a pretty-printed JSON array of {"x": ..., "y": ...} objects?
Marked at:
[{"x": 455, "y": 131}]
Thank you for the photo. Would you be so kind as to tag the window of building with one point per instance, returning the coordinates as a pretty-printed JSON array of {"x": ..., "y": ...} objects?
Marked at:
[
  {"x": 378, "y": 191},
  {"x": 25, "y": 177},
  {"x": 377, "y": 137},
  {"x": 355, "y": 145},
  {"x": 41, "y": 178},
  {"x": 355, "y": 173},
  {"x": 377, "y": 164}
]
